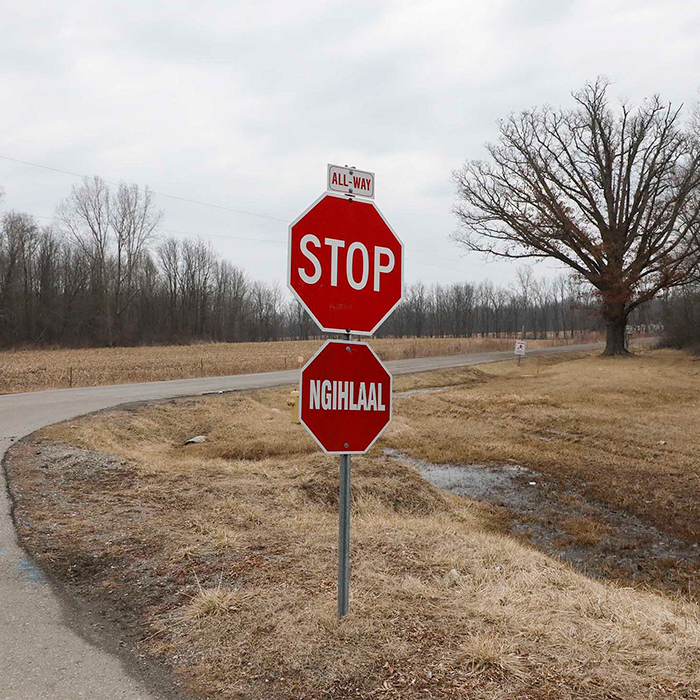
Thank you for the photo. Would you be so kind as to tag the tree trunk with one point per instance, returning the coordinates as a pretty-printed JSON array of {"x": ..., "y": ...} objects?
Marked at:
[{"x": 615, "y": 317}]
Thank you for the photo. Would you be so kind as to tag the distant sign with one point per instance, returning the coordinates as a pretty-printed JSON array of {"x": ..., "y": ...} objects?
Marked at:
[
  {"x": 350, "y": 181},
  {"x": 520, "y": 348}
]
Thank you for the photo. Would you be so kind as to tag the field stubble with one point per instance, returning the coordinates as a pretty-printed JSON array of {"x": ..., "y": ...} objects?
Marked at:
[
  {"x": 225, "y": 552},
  {"x": 34, "y": 370}
]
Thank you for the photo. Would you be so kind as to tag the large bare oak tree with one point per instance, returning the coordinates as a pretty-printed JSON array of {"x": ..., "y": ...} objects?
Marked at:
[{"x": 612, "y": 193}]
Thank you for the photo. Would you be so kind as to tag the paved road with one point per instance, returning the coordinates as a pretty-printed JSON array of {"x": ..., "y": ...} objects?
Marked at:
[{"x": 45, "y": 647}]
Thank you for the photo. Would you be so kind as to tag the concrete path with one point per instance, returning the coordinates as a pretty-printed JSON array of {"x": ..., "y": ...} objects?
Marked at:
[{"x": 48, "y": 650}]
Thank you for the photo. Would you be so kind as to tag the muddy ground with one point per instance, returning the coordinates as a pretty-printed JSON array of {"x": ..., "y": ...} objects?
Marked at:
[{"x": 558, "y": 519}]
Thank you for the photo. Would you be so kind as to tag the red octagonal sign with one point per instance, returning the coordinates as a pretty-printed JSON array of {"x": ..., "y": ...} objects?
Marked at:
[
  {"x": 345, "y": 397},
  {"x": 345, "y": 264}
]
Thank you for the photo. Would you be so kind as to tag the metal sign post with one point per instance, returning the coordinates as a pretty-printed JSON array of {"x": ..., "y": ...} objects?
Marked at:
[
  {"x": 520, "y": 347},
  {"x": 344, "y": 537},
  {"x": 345, "y": 403},
  {"x": 344, "y": 533},
  {"x": 345, "y": 266}
]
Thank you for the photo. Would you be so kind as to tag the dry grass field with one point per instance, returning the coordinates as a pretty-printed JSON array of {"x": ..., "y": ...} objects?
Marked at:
[
  {"x": 222, "y": 555},
  {"x": 628, "y": 429},
  {"x": 33, "y": 370}
]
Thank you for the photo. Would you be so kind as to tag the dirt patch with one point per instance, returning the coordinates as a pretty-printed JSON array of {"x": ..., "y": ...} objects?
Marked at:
[
  {"x": 559, "y": 519},
  {"x": 382, "y": 481}
]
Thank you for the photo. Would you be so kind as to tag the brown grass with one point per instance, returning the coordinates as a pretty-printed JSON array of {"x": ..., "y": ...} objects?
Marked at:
[
  {"x": 34, "y": 370},
  {"x": 626, "y": 430},
  {"x": 225, "y": 552},
  {"x": 584, "y": 531}
]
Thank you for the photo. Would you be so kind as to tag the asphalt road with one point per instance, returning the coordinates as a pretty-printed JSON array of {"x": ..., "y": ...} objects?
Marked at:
[{"x": 48, "y": 649}]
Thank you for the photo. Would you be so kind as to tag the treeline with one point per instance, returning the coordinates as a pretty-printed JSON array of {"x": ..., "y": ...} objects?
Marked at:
[
  {"x": 541, "y": 308},
  {"x": 681, "y": 318},
  {"x": 54, "y": 291},
  {"x": 102, "y": 276}
]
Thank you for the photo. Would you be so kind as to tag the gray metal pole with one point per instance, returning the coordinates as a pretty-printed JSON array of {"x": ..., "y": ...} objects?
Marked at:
[
  {"x": 344, "y": 531},
  {"x": 344, "y": 537}
]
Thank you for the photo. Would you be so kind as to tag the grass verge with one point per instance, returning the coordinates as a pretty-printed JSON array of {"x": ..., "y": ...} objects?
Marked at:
[
  {"x": 34, "y": 370},
  {"x": 626, "y": 430},
  {"x": 224, "y": 553}
]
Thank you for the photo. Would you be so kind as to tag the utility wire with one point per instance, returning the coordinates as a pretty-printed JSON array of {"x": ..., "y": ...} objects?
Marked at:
[
  {"x": 214, "y": 206},
  {"x": 195, "y": 233},
  {"x": 44, "y": 167},
  {"x": 160, "y": 194},
  {"x": 222, "y": 235},
  {"x": 264, "y": 240}
]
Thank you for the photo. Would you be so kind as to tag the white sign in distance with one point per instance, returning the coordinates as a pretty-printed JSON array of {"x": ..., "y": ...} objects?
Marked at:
[
  {"x": 520, "y": 348},
  {"x": 350, "y": 181}
]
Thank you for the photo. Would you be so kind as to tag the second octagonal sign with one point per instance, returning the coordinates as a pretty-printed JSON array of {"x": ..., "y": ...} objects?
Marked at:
[
  {"x": 345, "y": 264},
  {"x": 345, "y": 397}
]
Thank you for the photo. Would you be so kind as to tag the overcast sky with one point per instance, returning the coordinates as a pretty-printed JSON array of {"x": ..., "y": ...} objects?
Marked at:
[{"x": 242, "y": 104}]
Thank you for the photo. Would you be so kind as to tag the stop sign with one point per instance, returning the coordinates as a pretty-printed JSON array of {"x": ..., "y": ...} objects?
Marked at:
[
  {"x": 345, "y": 264},
  {"x": 345, "y": 397}
]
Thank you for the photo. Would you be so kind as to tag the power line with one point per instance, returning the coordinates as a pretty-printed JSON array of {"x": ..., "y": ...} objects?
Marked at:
[
  {"x": 195, "y": 233},
  {"x": 222, "y": 235},
  {"x": 44, "y": 167},
  {"x": 160, "y": 194},
  {"x": 214, "y": 206},
  {"x": 219, "y": 206},
  {"x": 266, "y": 240}
]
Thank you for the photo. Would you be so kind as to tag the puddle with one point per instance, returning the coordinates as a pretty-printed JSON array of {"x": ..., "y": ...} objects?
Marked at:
[
  {"x": 506, "y": 485},
  {"x": 593, "y": 537}
]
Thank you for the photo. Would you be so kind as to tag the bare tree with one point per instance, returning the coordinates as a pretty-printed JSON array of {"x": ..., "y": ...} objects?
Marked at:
[
  {"x": 682, "y": 326},
  {"x": 266, "y": 304},
  {"x": 169, "y": 257},
  {"x": 417, "y": 305},
  {"x": 230, "y": 298},
  {"x": 611, "y": 194},
  {"x": 113, "y": 231},
  {"x": 84, "y": 218},
  {"x": 460, "y": 309},
  {"x": 300, "y": 323},
  {"x": 18, "y": 242},
  {"x": 198, "y": 264},
  {"x": 134, "y": 220}
]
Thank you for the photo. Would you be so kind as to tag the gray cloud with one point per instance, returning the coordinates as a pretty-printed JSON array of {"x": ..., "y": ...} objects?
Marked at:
[{"x": 243, "y": 104}]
